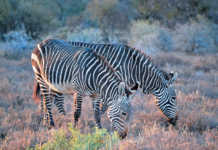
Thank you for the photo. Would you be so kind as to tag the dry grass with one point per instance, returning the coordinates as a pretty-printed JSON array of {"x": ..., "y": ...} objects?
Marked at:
[{"x": 197, "y": 100}]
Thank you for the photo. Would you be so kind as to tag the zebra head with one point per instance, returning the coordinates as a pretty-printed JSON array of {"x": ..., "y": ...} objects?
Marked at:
[
  {"x": 166, "y": 96},
  {"x": 172, "y": 93},
  {"x": 119, "y": 113}
]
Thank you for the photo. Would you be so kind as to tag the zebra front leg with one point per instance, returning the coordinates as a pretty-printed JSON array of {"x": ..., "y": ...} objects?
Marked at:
[
  {"x": 78, "y": 107},
  {"x": 103, "y": 108},
  {"x": 97, "y": 113}
]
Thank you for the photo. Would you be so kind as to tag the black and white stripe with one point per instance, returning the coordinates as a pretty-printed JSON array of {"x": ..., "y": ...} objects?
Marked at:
[
  {"x": 60, "y": 69},
  {"x": 137, "y": 70}
]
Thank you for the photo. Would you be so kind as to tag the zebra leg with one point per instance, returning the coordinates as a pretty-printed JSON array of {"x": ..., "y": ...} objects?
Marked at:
[
  {"x": 46, "y": 104},
  {"x": 44, "y": 115},
  {"x": 43, "y": 111},
  {"x": 59, "y": 102},
  {"x": 37, "y": 90},
  {"x": 78, "y": 107},
  {"x": 97, "y": 113},
  {"x": 103, "y": 107}
]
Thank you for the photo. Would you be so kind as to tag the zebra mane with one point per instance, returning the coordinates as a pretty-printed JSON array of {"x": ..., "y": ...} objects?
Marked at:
[
  {"x": 102, "y": 58},
  {"x": 167, "y": 78},
  {"x": 123, "y": 45},
  {"x": 105, "y": 62},
  {"x": 140, "y": 52}
]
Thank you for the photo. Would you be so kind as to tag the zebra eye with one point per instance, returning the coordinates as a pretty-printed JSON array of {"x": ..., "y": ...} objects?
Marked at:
[
  {"x": 123, "y": 113},
  {"x": 173, "y": 97}
]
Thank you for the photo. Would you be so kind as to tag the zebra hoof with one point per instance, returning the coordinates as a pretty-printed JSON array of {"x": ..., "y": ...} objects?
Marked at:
[
  {"x": 123, "y": 135},
  {"x": 75, "y": 124},
  {"x": 51, "y": 125},
  {"x": 173, "y": 121},
  {"x": 64, "y": 113},
  {"x": 99, "y": 126}
]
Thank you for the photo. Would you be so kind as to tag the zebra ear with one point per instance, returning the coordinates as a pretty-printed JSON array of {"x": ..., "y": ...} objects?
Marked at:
[
  {"x": 172, "y": 76},
  {"x": 122, "y": 89},
  {"x": 127, "y": 92}
]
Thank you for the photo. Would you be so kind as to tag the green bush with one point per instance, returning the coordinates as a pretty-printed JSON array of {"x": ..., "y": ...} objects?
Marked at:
[
  {"x": 108, "y": 15},
  {"x": 170, "y": 12},
  {"x": 5, "y": 12},
  {"x": 37, "y": 16},
  {"x": 78, "y": 141},
  {"x": 33, "y": 15}
]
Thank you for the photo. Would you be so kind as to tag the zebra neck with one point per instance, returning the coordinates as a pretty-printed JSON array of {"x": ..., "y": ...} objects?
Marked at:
[
  {"x": 97, "y": 75},
  {"x": 108, "y": 89}
]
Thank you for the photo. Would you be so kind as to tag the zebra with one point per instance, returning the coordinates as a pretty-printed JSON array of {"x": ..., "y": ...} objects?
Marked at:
[
  {"x": 61, "y": 69},
  {"x": 138, "y": 72}
]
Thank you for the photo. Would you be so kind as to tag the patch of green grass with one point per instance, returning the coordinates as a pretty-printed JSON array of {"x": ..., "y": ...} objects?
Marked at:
[{"x": 100, "y": 138}]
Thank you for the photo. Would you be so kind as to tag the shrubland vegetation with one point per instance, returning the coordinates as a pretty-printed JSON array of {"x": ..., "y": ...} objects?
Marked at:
[
  {"x": 179, "y": 35},
  {"x": 74, "y": 140}
]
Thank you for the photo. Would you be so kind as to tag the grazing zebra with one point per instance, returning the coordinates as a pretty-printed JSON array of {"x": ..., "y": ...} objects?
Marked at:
[
  {"x": 61, "y": 69},
  {"x": 138, "y": 71}
]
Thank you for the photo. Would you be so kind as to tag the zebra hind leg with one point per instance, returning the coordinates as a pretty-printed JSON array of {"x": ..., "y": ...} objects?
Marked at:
[
  {"x": 46, "y": 105},
  {"x": 78, "y": 107},
  {"x": 49, "y": 116}
]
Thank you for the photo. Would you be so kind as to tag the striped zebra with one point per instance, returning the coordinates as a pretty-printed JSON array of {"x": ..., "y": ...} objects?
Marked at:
[
  {"x": 61, "y": 69},
  {"x": 138, "y": 71}
]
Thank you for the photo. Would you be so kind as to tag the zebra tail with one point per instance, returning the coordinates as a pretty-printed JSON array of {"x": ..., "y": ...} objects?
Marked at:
[{"x": 36, "y": 92}]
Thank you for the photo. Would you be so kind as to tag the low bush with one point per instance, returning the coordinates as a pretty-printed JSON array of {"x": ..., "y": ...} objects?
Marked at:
[
  {"x": 196, "y": 36},
  {"x": 150, "y": 37},
  {"x": 74, "y": 140},
  {"x": 17, "y": 44}
]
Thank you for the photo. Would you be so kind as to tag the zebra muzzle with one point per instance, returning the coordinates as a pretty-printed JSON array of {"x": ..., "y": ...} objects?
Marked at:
[
  {"x": 173, "y": 121},
  {"x": 123, "y": 134}
]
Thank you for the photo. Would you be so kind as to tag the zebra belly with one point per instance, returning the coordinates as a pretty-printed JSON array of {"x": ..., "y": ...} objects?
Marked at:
[{"x": 66, "y": 88}]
